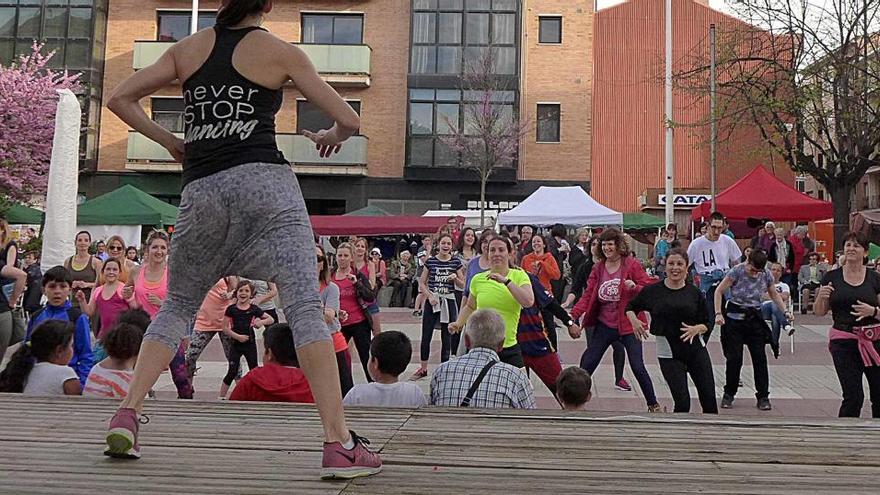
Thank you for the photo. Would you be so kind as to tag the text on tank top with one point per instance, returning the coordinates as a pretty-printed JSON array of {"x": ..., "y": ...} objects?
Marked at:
[
  {"x": 229, "y": 120},
  {"x": 143, "y": 288}
]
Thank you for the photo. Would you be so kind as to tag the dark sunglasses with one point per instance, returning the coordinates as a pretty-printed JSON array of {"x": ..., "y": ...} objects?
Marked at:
[{"x": 115, "y": 248}]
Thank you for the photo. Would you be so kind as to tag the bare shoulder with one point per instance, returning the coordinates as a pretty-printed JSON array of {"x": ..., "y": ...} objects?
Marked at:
[{"x": 205, "y": 37}]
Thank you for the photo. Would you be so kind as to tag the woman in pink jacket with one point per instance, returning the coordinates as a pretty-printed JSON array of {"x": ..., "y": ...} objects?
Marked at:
[{"x": 616, "y": 279}]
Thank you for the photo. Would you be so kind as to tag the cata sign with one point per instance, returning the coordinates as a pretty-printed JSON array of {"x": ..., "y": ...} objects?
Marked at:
[{"x": 684, "y": 200}]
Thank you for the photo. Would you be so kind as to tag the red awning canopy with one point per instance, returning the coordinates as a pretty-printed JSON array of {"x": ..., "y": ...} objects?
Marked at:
[
  {"x": 762, "y": 195},
  {"x": 380, "y": 225}
]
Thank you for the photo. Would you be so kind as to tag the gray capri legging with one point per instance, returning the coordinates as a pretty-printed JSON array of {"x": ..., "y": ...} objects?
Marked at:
[{"x": 249, "y": 220}]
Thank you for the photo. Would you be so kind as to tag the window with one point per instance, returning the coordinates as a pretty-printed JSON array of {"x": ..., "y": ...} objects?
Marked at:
[
  {"x": 548, "y": 123},
  {"x": 168, "y": 113},
  {"x": 446, "y": 34},
  {"x": 175, "y": 25},
  {"x": 311, "y": 118},
  {"x": 800, "y": 183},
  {"x": 549, "y": 29},
  {"x": 333, "y": 29}
]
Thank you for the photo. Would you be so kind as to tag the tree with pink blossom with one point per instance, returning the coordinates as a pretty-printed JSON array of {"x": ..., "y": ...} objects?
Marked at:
[
  {"x": 491, "y": 134},
  {"x": 28, "y": 99}
]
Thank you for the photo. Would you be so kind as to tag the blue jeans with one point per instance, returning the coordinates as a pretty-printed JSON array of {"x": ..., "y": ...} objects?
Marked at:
[
  {"x": 602, "y": 338},
  {"x": 771, "y": 311}
]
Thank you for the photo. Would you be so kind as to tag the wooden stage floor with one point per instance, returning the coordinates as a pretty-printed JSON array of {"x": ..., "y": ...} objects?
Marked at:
[{"x": 54, "y": 445}]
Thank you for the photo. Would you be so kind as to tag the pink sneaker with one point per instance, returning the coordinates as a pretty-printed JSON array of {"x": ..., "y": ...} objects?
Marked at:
[
  {"x": 122, "y": 441},
  {"x": 341, "y": 463}
]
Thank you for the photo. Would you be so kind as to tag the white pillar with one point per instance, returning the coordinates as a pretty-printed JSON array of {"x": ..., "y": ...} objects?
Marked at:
[
  {"x": 194, "y": 25},
  {"x": 60, "y": 227},
  {"x": 670, "y": 168}
]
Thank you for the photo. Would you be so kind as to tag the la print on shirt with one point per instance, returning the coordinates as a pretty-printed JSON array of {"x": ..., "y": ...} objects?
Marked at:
[{"x": 224, "y": 110}]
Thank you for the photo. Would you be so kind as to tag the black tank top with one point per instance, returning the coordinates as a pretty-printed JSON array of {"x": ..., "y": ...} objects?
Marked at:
[{"x": 228, "y": 119}]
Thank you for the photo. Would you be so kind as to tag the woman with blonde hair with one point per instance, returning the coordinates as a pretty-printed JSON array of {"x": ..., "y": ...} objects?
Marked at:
[{"x": 117, "y": 250}]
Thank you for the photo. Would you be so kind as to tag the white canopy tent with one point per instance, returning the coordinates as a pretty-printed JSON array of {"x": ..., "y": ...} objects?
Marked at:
[
  {"x": 566, "y": 205},
  {"x": 471, "y": 217}
]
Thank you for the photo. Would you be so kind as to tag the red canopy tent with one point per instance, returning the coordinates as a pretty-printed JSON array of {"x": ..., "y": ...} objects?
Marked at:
[
  {"x": 760, "y": 194},
  {"x": 378, "y": 225}
]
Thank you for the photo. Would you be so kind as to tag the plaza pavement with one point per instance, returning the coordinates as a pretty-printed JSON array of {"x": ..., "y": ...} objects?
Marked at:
[{"x": 802, "y": 384}]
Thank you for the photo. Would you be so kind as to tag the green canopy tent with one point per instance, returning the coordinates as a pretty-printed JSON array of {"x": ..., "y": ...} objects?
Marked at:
[
  {"x": 127, "y": 205},
  {"x": 873, "y": 251},
  {"x": 368, "y": 211},
  {"x": 19, "y": 214},
  {"x": 641, "y": 221}
]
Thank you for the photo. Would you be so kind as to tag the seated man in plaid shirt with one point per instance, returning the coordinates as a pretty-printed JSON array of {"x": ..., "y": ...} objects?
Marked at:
[{"x": 478, "y": 378}]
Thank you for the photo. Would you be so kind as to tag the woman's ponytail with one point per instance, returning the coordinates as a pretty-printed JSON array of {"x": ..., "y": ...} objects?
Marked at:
[
  {"x": 232, "y": 12},
  {"x": 45, "y": 340}
]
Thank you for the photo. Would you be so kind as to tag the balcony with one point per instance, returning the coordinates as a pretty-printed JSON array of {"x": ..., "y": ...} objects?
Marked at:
[
  {"x": 339, "y": 65},
  {"x": 145, "y": 155}
]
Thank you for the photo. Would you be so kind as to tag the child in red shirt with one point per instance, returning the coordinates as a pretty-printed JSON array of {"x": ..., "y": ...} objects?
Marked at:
[{"x": 279, "y": 379}]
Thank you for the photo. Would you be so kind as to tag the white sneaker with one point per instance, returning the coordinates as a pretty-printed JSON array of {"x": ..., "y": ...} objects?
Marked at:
[{"x": 789, "y": 330}]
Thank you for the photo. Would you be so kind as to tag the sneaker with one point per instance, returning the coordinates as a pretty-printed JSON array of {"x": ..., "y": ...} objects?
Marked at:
[
  {"x": 418, "y": 375},
  {"x": 727, "y": 401},
  {"x": 341, "y": 463},
  {"x": 417, "y": 314},
  {"x": 789, "y": 329},
  {"x": 122, "y": 438},
  {"x": 764, "y": 404},
  {"x": 740, "y": 383},
  {"x": 624, "y": 385},
  {"x": 656, "y": 408}
]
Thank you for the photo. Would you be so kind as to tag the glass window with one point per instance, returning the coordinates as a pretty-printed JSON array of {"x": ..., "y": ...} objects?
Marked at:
[
  {"x": 81, "y": 2},
  {"x": 478, "y": 4},
  {"x": 449, "y": 4},
  {"x": 450, "y": 28},
  {"x": 55, "y": 24},
  {"x": 421, "y": 94},
  {"x": 57, "y": 60},
  {"x": 549, "y": 29},
  {"x": 28, "y": 22},
  {"x": 504, "y": 5},
  {"x": 7, "y": 21},
  {"x": 548, "y": 123},
  {"x": 447, "y": 118},
  {"x": 173, "y": 26},
  {"x": 311, "y": 118},
  {"x": 504, "y": 29},
  {"x": 421, "y": 118},
  {"x": 206, "y": 20},
  {"x": 168, "y": 113},
  {"x": 424, "y": 59},
  {"x": 443, "y": 155},
  {"x": 505, "y": 60},
  {"x": 333, "y": 29},
  {"x": 477, "y": 32},
  {"x": 448, "y": 60},
  {"x": 420, "y": 151},
  {"x": 7, "y": 51},
  {"x": 425, "y": 4},
  {"x": 77, "y": 54},
  {"x": 80, "y": 23},
  {"x": 424, "y": 28}
]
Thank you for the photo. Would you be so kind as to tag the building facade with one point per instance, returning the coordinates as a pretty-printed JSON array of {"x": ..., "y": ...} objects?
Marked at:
[
  {"x": 75, "y": 30},
  {"x": 399, "y": 64}
]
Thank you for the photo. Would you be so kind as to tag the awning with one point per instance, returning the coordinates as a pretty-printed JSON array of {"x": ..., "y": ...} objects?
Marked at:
[
  {"x": 641, "y": 221},
  {"x": 378, "y": 225},
  {"x": 19, "y": 214},
  {"x": 127, "y": 205},
  {"x": 368, "y": 211},
  {"x": 566, "y": 205}
]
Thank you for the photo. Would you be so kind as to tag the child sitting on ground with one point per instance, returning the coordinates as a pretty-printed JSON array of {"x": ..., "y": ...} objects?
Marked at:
[
  {"x": 279, "y": 379},
  {"x": 40, "y": 367},
  {"x": 111, "y": 377},
  {"x": 573, "y": 387},
  {"x": 390, "y": 353}
]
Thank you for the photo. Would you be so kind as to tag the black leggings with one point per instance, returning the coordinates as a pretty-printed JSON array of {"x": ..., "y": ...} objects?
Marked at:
[
  {"x": 236, "y": 351},
  {"x": 362, "y": 335},
  {"x": 618, "y": 355},
  {"x": 429, "y": 321},
  {"x": 694, "y": 361},
  {"x": 343, "y": 361},
  {"x": 850, "y": 369}
]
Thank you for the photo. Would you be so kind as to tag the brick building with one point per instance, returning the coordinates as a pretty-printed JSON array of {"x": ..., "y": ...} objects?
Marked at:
[{"x": 398, "y": 63}]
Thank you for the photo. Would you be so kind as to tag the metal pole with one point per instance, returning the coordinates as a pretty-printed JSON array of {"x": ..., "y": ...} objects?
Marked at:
[
  {"x": 194, "y": 24},
  {"x": 670, "y": 169},
  {"x": 713, "y": 140}
]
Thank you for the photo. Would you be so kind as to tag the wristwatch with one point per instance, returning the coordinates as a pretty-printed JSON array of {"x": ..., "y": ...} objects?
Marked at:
[
  {"x": 570, "y": 323},
  {"x": 507, "y": 281}
]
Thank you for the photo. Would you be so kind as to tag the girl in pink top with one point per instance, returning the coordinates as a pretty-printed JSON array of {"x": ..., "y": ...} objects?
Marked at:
[
  {"x": 350, "y": 280},
  {"x": 106, "y": 299},
  {"x": 147, "y": 288}
]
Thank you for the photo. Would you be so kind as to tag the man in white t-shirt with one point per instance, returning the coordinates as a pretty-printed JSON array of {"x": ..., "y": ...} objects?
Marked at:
[{"x": 712, "y": 256}]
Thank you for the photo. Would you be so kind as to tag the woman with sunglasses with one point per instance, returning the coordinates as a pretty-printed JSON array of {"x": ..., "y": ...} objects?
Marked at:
[
  {"x": 116, "y": 250},
  {"x": 83, "y": 267},
  {"x": 333, "y": 314}
]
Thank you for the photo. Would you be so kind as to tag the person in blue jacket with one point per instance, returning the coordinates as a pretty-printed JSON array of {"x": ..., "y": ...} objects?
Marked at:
[{"x": 56, "y": 287}]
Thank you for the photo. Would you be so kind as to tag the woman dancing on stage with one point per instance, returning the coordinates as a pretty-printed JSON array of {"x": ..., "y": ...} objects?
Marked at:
[{"x": 232, "y": 77}]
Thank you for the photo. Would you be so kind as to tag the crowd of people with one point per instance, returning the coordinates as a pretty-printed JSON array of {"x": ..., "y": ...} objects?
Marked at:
[{"x": 506, "y": 293}]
